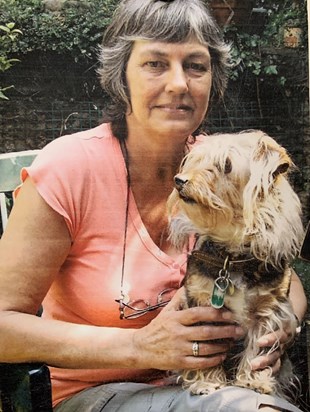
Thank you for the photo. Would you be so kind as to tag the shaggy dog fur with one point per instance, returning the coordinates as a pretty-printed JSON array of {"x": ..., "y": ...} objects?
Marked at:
[{"x": 232, "y": 192}]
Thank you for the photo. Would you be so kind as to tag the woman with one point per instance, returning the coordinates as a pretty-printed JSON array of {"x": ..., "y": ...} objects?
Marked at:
[{"x": 89, "y": 232}]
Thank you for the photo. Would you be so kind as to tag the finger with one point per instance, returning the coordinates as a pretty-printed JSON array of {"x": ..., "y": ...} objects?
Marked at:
[
  {"x": 264, "y": 361},
  {"x": 208, "y": 349},
  {"x": 273, "y": 338},
  {"x": 202, "y": 362},
  {"x": 276, "y": 367},
  {"x": 213, "y": 332},
  {"x": 205, "y": 314}
]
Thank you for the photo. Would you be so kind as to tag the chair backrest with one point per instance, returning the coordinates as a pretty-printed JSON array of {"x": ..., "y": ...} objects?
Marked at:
[
  {"x": 305, "y": 248},
  {"x": 23, "y": 387},
  {"x": 10, "y": 168}
]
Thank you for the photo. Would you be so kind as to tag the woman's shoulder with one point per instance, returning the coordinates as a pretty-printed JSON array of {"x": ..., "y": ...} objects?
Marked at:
[
  {"x": 78, "y": 149},
  {"x": 71, "y": 144}
]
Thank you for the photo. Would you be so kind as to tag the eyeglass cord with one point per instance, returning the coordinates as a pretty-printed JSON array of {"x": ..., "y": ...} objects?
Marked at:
[{"x": 126, "y": 160}]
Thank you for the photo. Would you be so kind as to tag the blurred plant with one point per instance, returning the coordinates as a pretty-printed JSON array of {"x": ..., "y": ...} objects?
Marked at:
[
  {"x": 8, "y": 36},
  {"x": 257, "y": 52},
  {"x": 289, "y": 13},
  {"x": 74, "y": 28},
  {"x": 61, "y": 26}
]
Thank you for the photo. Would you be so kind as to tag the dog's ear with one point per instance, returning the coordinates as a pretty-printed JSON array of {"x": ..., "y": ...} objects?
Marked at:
[
  {"x": 281, "y": 169},
  {"x": 268, "y": 161}
]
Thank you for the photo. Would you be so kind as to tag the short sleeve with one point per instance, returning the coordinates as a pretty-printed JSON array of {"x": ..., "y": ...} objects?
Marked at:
[{"x": 61, "y": 175}]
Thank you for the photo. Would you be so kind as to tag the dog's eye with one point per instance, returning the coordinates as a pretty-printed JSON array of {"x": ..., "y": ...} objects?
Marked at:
[
  {"x": 183, "y": 162},
  {"x": 225, "y": 168},
  {"x": 228, "y": 166}
]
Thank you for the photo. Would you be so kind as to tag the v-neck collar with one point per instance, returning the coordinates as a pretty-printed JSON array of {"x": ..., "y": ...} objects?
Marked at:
[{"x": 135, "y": 217}]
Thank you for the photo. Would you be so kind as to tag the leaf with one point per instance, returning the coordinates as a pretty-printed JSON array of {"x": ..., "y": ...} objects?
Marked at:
[
  {"x": 282, "y": 80},
  {"x": 13, "y": 60},
  {"x": 272, "y": 69},
  {"x": 10, "y": 25},
  {"x": 3, "y": 96},
  {"x": 4, "y": 28}
]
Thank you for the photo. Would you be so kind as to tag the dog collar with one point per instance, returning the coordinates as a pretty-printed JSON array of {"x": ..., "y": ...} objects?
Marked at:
[
  {"x": 220, "y": 265},
  {"x": 226, "y": 262},
  {"x": 222, "y": 283}
]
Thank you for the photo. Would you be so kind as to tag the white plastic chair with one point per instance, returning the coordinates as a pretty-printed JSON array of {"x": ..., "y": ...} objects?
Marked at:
[{"x": 10, "y": 168}]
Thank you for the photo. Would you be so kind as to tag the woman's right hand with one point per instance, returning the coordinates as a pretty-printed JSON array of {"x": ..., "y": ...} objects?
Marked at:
[{"x": 167, "y": 341}]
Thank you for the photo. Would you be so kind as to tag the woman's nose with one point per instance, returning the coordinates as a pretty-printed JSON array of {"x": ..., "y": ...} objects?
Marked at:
[{"x": 177, "y": 81}]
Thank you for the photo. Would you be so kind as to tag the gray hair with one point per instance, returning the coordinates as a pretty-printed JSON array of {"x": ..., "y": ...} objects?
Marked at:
[{"x": 172, "y": 22}]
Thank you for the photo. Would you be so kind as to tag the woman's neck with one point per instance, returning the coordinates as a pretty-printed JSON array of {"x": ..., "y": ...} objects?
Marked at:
[
  {"x": 152, "y": 168},
  {"x": 154, "y": 161}
]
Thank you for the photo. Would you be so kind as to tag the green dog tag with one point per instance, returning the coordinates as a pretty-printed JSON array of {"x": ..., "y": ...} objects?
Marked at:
[{"x": 219, "y": 291}]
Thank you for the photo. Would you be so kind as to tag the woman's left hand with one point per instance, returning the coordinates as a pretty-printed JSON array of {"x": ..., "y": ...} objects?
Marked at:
[{"x": 273, "y": 359}]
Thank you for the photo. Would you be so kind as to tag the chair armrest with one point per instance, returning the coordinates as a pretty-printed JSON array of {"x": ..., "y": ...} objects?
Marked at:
[
  {"x": 25, "y": 387},
  {"x": 299, "y": 354}
]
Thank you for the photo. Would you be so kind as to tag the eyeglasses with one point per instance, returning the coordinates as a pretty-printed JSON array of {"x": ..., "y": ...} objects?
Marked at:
[{"x": 136, "y": 308}]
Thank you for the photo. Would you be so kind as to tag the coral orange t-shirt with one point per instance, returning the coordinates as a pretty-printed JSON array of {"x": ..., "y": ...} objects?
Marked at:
[{"x": 83, "y": 178}]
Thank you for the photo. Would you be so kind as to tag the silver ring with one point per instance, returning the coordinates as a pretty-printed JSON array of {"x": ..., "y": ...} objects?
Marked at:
[{"x": 195, "y": 349}]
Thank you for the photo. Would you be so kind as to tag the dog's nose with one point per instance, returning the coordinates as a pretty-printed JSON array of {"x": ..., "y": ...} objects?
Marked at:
[{"x": 179, "y": 183}]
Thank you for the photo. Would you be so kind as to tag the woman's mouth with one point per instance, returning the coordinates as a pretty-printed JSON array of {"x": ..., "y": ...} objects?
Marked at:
[{"x": 175, "y": 108}]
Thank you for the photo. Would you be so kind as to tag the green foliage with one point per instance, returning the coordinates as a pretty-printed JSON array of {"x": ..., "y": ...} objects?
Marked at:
[
  {"x": 63, "y": 26},
  {"x": 75, "y": 27},
  {"x": 302, "y": 268},
  {"x": 257, "y": 52},
  {"x": 8, "y": 36},
  {"x": 280, "y": 16}
]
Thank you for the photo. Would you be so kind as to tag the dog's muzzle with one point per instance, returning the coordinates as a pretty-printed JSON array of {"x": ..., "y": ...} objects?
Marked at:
[{"x": 180, "y": 185}]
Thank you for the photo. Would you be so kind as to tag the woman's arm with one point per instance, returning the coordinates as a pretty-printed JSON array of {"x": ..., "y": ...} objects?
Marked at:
[
  {"x": 33, "y": 248},
  {"x": 299, "y": 303},
  {"x": 298, "y": 297}
]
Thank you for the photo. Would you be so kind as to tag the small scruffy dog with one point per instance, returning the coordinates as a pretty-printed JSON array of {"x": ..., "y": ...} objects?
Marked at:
[{"x": 233, "y": 193}]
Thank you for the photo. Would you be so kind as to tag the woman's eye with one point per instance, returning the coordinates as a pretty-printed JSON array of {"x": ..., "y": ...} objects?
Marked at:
[
  {"x": 197, "y": 67},
  {"x": 155, "y": 64}
]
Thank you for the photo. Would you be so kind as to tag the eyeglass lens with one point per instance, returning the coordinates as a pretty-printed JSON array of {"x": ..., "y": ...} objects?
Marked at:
[{"x": 139, "y": 307}]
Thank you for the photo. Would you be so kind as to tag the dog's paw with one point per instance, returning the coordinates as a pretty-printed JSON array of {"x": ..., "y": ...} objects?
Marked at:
[
  {"x": 205, "y": 388},
  {"x": 260, "y": 381}
]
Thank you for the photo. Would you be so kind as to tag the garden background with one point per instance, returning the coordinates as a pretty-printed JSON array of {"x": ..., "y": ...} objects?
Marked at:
[{"x": 49, "y": 86}]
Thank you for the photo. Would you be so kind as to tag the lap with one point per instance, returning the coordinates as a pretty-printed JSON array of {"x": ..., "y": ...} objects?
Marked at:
[{"x": 125, "y": 397}]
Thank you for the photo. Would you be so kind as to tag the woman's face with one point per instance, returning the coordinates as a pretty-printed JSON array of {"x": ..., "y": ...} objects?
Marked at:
[{"x": 169, "y": 86}]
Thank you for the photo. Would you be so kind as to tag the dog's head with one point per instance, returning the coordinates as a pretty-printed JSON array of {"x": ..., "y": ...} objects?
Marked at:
[{"x": 233, "y": 188}]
